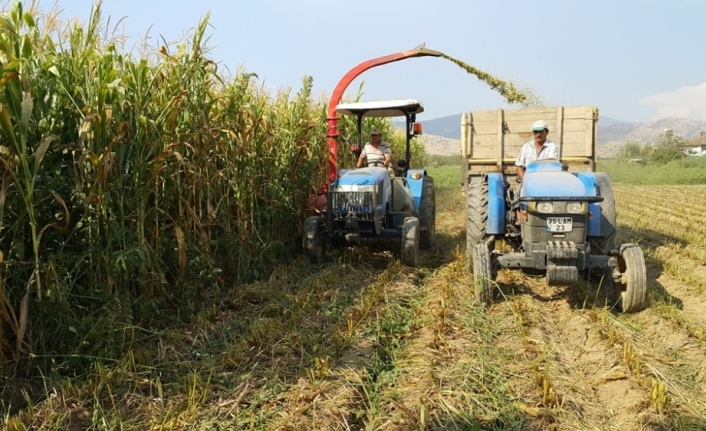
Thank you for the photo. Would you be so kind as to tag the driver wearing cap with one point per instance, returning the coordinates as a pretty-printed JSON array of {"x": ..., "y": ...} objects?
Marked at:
[
  {"x": 540, "y": 148},
  {"x": 376, "y": 152}
]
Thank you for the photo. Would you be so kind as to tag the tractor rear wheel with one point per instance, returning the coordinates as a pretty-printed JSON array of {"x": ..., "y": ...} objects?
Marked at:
[
  {"x": 427, "y": 215},
  {"x": 483, "y": 278},
  {"x": 631, "y": 289},
  {"x": 609, "y": 224},
  {"x": 477, "y": 215},
  {"x": 314, "y": 239},
  {"x": 409, "y": 242}
]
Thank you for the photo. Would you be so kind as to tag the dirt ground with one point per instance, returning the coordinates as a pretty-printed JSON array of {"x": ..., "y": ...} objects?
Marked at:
[
  {"x": 578, "y": 363},
  {"x": 540, "y": 358}
]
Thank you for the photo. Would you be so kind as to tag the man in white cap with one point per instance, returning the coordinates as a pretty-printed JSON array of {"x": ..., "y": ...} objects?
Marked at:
[
  {"x": 376, "y": 152},
  {"x": 540, "y": 148}
]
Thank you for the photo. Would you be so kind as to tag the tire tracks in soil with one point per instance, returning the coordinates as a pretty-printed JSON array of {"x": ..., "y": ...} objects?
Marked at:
[
  {"x": 570, "y": 356},
  {"x": 602, "y": 368}
]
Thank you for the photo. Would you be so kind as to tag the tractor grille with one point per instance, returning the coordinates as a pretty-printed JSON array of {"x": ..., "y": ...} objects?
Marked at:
[{"x": 360, "y": 203}]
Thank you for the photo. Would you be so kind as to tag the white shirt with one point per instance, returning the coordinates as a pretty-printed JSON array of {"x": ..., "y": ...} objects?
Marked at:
[
  {"x": 528, "y": 153},
  {"x": 373, "y": 154}
]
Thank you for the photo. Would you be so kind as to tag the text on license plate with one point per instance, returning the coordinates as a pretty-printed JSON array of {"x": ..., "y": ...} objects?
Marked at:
[{"x": 559, "y": 224}]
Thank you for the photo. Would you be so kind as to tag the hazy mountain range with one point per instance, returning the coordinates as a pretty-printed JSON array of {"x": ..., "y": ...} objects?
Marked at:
[{"x": 442, "y": 135}]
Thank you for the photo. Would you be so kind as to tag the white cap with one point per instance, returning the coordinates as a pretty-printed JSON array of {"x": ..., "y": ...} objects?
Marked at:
[
  {"x": 375, "y": 131},
  {"x": 539, "y": 125}
]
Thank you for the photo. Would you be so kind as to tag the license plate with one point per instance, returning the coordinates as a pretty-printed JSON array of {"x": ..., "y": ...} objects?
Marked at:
[{"x": 559, "y": 224}]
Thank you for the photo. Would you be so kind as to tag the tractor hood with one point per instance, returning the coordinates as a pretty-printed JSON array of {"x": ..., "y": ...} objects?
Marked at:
[
  {"x": 362, "y": 177},
  {"x": 546, "y": 179}
]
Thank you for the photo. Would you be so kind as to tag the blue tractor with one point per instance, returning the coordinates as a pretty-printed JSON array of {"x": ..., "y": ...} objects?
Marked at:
[
  {"x": 558, "y": 222},
  {"x": 376, "y": 202}
]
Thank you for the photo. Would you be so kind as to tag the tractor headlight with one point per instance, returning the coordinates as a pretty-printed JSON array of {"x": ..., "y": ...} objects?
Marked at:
[
  {"x": 545, "y": 207},
  {"x": 574, "y": 207}
]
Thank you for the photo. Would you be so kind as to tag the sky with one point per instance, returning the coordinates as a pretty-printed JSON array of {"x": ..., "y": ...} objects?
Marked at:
[{"x": 636, "y": 60}]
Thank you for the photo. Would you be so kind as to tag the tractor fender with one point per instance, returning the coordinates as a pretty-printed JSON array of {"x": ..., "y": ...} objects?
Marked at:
[
  {"x": 496, "y": 204},
  {"x": 415, "y": 182},
  {"x": 594, "y": 223}
]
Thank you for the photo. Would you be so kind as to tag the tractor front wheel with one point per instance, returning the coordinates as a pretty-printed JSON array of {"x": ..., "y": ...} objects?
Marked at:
[
  {"x": 409, "y": 252},
  {"x": 631, "y": 284},
  {"x": 483, "y": 278},
  {"x": 314, "y": 240}
]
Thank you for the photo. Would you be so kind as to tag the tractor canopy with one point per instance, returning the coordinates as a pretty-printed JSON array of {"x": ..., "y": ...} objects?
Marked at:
[
  {"x": 408, "y": 108},
  {"x": 383, "y": 108}
]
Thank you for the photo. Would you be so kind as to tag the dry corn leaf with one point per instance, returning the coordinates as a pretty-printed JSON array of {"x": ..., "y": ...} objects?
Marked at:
[
  {"x": 664, "y": 360},
  {"x": 532, "y": 411},
  {"x": 181, "y": 243},
  {"x": 615, "y": 376}
]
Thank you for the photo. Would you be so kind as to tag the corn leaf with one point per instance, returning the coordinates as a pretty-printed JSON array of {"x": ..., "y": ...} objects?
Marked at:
[
  {"x": 41, "y": 151},
  {"x": 6, "y": 125},
  {"x": 27, "y": 105}
]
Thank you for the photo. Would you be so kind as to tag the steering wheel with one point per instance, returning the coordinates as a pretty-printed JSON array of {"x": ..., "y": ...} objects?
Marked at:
[{"x": 376, "y": 164}]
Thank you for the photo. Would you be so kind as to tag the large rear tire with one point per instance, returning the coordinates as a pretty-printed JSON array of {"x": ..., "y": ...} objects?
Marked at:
[
  {"x": 483, "y": 279},
  {"x": 631, "y": 290},
  {"x": 427, "y": 215},
  {"x": 314, "y": 239},
  {"x": 477, "y": 215},
  {"x": 609, "y": 223},
  {"x": 409, "y": 242}
]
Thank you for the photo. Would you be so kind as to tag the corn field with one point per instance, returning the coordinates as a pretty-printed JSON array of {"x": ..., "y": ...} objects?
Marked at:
[{"x": 131, "y": 187}]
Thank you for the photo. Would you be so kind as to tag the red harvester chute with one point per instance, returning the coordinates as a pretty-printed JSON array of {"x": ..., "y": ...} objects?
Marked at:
[{"x": 332, "y": 118}]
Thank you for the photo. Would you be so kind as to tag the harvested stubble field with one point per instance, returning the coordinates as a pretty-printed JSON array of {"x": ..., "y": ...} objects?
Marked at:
[{"x": 362, "y": 342}]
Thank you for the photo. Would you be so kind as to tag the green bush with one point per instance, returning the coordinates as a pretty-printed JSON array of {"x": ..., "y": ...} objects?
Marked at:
[
  {"x": 634, "y": 150},
  {"x": 666, "y": 155}
]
